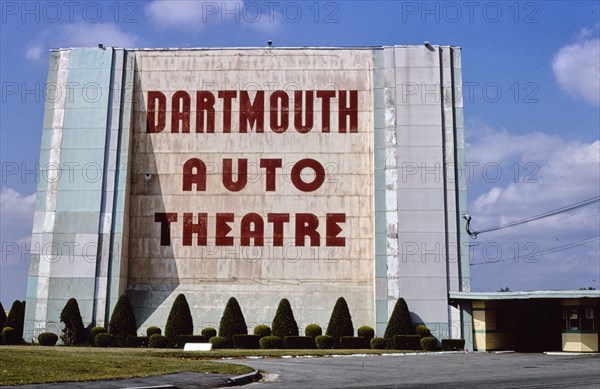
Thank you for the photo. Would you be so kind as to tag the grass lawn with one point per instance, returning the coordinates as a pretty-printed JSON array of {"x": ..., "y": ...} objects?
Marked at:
[{"x": 38, "y": 364}]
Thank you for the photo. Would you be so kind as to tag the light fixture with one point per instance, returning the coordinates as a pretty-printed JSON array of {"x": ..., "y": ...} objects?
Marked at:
[{"x": 472, "y": 234}]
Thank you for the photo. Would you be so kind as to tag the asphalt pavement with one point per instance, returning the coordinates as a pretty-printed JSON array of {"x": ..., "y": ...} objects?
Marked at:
[
  {"x": 454, "y": 370},
  {"x": 434, "y": 370}
]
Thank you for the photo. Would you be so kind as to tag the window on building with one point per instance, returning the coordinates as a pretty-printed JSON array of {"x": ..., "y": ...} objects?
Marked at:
[{"x": 579, "y": 319}]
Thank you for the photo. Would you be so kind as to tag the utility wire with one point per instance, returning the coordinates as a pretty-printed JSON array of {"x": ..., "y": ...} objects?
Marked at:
[
  {"x": 543, "y": 252},
  {"x": 537, "y": 225},
  {"x": 474, "y": 234}
]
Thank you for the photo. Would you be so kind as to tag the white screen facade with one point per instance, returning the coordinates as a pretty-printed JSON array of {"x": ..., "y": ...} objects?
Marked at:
[{"x": 301, "y": 173}]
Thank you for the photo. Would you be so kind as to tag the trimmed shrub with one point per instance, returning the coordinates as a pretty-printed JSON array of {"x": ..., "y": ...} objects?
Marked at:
[
  {"x": 208, "y": 332},
  {"x": 262, "y": 330},
  {"x": 137, "y": 341},
  {"x": 400, "y": 323},
  {"x": 179, "y": 321},
  {"x": 122, "y": 322},
  {"x": 219, "y": 342},
  {"x": 246, "y": 341},
  {"x": 232, "y": 321},
  {"x": 2, "y": 317},
  {"x": 104, "y": 340},
  {"x": 428, "y": 343},
  {"x": 183, "y": 339},
  {"x": 324, "y": 342},
  {"x": 97, "y": 330},
  {"x": 353, "y": 342},
  {"x": 299, "y": 342},
  {"x": 423, "y": 331},
  {"x": 47, "y": 339},
  {"x": 158, "y": 341},
  {"x": 407, "y": 342},
  {"x": 10, "y": 336},
  {"x": 73, "y": 332},
  {"x": 271, "y": 342},
  {"x": 453, "y": 344},
  {"x": 313, "y": 330},
  {"x": 340, "y": 322},
  {"x": 378, "y": 343},
  {"x": 366, "y": 332},
  {"x": 284, "y": 324},
  {"x": 153, "y": 330},
  {"x": 16, "y": 318}
]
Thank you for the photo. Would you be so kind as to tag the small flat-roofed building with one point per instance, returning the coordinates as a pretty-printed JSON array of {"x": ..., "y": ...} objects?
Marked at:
[{"x": 534, "y": 321}]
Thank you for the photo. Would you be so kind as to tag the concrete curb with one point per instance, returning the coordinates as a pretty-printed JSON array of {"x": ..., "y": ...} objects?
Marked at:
[{"x": 243, "y": 379}]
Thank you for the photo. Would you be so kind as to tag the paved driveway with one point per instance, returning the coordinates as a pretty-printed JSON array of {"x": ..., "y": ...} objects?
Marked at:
[{"x": 447, "y": 370}]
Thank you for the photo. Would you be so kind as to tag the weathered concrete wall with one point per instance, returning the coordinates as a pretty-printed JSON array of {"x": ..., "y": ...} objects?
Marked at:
[
  {"x": 386, "y": 130},
  {"x": 311, "y": 276},
  {"x": 79, "y": 205}
]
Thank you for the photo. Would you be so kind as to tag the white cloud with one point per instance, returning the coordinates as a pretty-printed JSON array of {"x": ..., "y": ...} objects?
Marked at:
[
  {"x": 195, "y": 15},
  {"x": 34, "y": 53},
  {"x": 90, "y": 34},
  {"x": 16, "y": 208},
  {"x": 566, "y": 173},
  {"x": 192, "y": 14},
  {"x": 542, "y": 173},
  {"x": 79, "y": 34},
  {"x": 577, "y": 67},
  {"x": 16, "y": 222}
]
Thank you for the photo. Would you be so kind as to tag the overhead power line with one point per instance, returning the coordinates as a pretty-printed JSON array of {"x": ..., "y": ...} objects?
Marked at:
[
  {"x": 584, "y": 203},
  {"x": 543, "y": 252}
]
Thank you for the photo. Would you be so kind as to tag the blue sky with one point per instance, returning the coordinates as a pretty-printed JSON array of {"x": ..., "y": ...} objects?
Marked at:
[{"x": 533, "y": 148}]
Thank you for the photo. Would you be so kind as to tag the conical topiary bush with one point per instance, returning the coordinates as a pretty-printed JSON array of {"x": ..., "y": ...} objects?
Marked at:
[
  {"x": 340, "y": 323},
  {"x": 232, "y": 321},
  {"x": 284, "y": 323},
  {"x": 400, "y": 323},
  {"x": 73, "y": 332},
  {"x": 2, "y": 317},
  {"x": 122, "y": 322},
  {"x": 180, "y": 320}
]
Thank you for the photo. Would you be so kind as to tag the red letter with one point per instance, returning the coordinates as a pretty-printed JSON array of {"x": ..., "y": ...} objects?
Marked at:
[
  {"x": 180, "y": 110},
  {"x": 252, "y": 113},
  {"x": 242, "y": 174},
  {"x": 156, "y": 123},
  {"x": 190, "y": 178},
  {"x": 351, "y": 111},
  {"x": 257, "y": 233},
  {"x": 325, "y": 96},
  {"x": 306, "y": 225},
  {"x": 308, "y": 116},
  {"x": 276, "y": 126},
  {"x": 227, "y": 96},
  {"x": 332, "y": 230},
  {"x": 165, "y": 220},
  {"x": 222, "y": 229},
  {"x": 271, "y": 166},
  {"x": 189, "y": 228},
  {"x": 297, "y": 178},
  {"x": 205, "y": 101},
  {"x": 278, "y": 219}
]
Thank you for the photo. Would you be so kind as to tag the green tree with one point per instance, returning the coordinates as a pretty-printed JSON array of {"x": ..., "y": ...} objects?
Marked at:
[
  {"x": 232, "y": 322},
  {"x": 2, "y": 317},
  {"x": 400, "y": 323},
  {"x": 180, "y": 320},
  {"x": 122, "y": 322},
  {"x": 284, "y": 323},
  {"x": 340, "y": 322},
  {"x": 16, "y": 318},
  {"x": 73, "y": 332}
]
